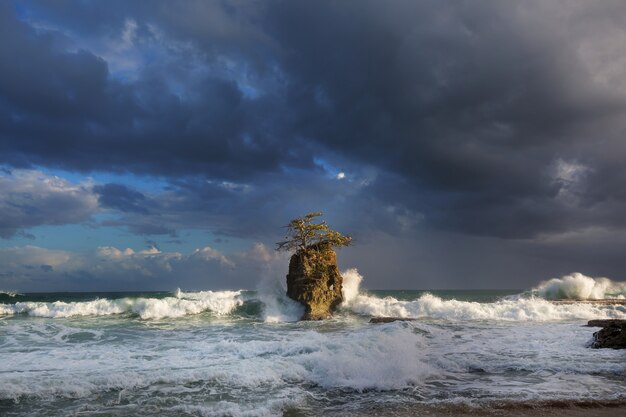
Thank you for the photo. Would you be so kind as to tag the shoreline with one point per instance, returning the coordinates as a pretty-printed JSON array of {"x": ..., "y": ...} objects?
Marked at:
[{"x": 540, "y": 408}]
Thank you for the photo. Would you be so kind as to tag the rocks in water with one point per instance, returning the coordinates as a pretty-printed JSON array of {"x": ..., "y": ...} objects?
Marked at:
[
  {"x": 605, "y": 322},
  {"x": 388, "y": 319},
  {"x": 314, "y": 281},
  {"x": 612, "y": 335}
]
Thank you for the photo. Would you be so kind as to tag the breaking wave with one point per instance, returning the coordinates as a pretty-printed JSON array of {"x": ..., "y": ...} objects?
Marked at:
[
  {"x": 344, "y": 366},
  {"x": 276, "y": 306},
  {"x": 430, "y": 306},
  {"x": 363, "y": 359},
  {"x": 270, "y": 304},
  {"x": 531, "y": 309},
  {"x": 182, "y": 304},
  {"x": 577, "y": 286},
  {"x": 351, "y": 285}
]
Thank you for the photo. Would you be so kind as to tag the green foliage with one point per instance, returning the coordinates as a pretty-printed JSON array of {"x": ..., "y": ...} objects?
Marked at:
[{"x": 304, "y": 233}]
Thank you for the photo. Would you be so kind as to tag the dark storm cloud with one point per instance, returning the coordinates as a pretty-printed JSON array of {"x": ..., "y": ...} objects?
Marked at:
[
  {"x": 261, "y": 208},
  {"x": 66, "y": 109},
  {"x": 120, "y": 197},
  {"x": 485, "y": 118},
  {"x": 475, "y": 103}
]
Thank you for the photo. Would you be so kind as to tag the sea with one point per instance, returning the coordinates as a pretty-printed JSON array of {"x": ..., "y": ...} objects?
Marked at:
[{"x": 243, "y": 352}]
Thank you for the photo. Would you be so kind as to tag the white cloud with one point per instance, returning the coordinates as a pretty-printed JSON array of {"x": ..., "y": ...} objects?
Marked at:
[
  {"x": 129, "y": 33},
  {"x": 570, "y": 171},
  {"x": 209, "y": 254},
  {"x": 24, "y": 267},
  {"x": 570, "y": 176},
  {"x": 262, "y": 255},
  {"x": 16, "y": 258},
  {"x": 31, "y": 268}
]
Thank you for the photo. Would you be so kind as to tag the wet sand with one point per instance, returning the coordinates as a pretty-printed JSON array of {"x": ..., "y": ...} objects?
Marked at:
[
  {"x": 534, "y": 411},
  {"x": 499, "y": 409}
]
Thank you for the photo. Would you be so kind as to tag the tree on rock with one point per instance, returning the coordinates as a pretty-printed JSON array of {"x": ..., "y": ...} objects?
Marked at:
[
  {"x": 303, "y": 232},
  {"x": 314, "y": 279}
]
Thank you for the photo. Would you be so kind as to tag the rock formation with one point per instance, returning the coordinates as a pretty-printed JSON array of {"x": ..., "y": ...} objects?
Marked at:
[
  {"x": 314, "y": 281},
  {"x": 378, "y": 320},
  {"x": 612, "y": 335}
]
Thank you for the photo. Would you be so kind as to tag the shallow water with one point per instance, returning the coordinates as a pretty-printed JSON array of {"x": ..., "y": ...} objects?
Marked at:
[{"x": 240, "y": 353}]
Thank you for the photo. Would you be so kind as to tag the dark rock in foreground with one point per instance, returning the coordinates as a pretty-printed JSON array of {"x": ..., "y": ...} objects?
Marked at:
[
  {"x": 612, "y": 335},
  {"x": 388, "y": 319},
  {"x": 606, "y": 322},
  {"x": 314, "y": 281}
]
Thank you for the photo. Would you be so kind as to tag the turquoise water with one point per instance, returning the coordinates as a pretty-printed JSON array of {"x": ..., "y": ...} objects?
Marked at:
[{"x": 240, "y": 353}]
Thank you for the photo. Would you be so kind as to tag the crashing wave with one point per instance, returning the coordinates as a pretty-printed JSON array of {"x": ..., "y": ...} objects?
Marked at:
[
  {"x": 271, "y": 303},
  {"x": 218, "y": 302},
  {"x": 431, "y": 306},
  {"x": 577, "y": 286}
]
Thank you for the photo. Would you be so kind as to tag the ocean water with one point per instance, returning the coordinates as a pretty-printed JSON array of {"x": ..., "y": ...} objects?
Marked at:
[{"x": 241, "y": 353}]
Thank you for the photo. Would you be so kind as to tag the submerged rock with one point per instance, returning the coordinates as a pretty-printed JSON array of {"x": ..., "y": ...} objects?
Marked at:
[
  {"x": 314, "y": 281},
  {"x": 389, "y": 319},
  {"x": 612, "y": 335}
]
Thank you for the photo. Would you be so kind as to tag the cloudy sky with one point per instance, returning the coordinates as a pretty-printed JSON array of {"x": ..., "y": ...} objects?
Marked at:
[{"x": 158, "y": 144}]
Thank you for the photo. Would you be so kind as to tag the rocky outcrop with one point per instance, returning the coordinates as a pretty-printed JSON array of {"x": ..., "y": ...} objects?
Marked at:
[
  {"x": 606, "y": 322},
  {"x": 612, "y": 335},
  {"x": 378, "y": 320},
  {"x": 314, "y": 281}
]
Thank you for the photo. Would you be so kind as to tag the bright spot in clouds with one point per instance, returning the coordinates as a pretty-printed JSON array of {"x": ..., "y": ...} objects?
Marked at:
[{"x": 341, "y": 175}]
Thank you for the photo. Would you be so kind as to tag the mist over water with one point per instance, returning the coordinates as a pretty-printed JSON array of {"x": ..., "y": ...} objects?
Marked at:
[{"x": 242, "y": 353}]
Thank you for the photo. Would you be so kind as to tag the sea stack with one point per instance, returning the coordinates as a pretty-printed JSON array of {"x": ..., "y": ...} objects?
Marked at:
[{"x": 314, "y": 281}]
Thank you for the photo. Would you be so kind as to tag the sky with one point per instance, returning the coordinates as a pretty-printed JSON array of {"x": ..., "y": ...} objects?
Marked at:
[{"x": 150, "y": 145}]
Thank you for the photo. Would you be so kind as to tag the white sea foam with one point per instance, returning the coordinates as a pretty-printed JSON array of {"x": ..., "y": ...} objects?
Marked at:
[
  {"x": 277, "y": 307},
  {"x": 272, "y": 408},
  {"x": 577, "y": 286},
  {"x": 511, "y": 309},
  {"x": 10, "y": 293},
  {"x": 263, "y": 363},
  {"x": 257, "y": 369},
  {"x": 518, "y": 348},
  {"x": 218, "y": 302},
  {"x": 351, "y": 285},
  {"x": 532, "y": 309},
  {"x": 371, "y": 359},
  {"x": 257, "y": 361}
]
